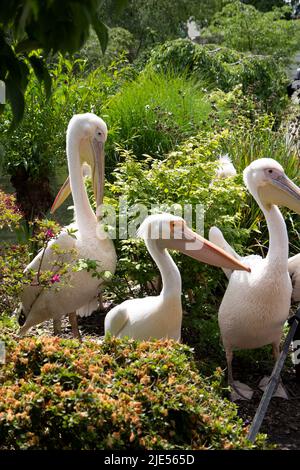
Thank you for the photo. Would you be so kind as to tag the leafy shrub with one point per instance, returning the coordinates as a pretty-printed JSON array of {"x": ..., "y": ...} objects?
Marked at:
[
  {"x": 155, "y": 112},
  {"x": 261, "y": 77},
  {"x": 10, "y": 214},
  {"x": 121, "y": 394},
  {"x": 244, "y": 28},
  {"x": 12, "y": 257},
  {"x": 120, "y": 43},
  {"x": 184, "y": 177}
]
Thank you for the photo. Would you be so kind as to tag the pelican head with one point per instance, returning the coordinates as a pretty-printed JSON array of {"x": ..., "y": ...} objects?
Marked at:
[
  {"x": 89, "y": 133},
  {"x": 266, "y": 180},
  {"x": 171, "y": 232}
]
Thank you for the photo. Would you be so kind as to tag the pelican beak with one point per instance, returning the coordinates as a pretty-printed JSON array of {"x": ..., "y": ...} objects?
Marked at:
[
  {"x": 64, "y": 192},
  {"x": 193, "y": 245},
  {"x": 98, "y": 167},
  {"x": 280, "y": 191}
]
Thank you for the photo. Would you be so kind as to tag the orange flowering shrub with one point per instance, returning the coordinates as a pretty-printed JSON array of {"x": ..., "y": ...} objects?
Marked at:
[{"x": 121, "y": 394}]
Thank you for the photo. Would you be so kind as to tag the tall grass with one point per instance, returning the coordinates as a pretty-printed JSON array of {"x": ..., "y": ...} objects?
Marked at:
[{"x": 155, "y": 113}]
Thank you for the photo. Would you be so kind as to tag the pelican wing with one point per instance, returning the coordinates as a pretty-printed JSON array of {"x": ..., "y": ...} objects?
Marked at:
[
  {"x": 294, "y": 271},
  {"x": 217, "y": 237},
  {"x": 116, "y": 319},
  {"x": 44, "y": 259}
]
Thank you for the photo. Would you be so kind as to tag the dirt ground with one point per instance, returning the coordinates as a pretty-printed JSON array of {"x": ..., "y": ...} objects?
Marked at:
[{"x": 282, "y": 421}]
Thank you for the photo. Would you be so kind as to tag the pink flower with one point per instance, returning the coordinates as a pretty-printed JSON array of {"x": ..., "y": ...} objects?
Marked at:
[
  {"x": 55, "y": 278},
  {"x": 49, "y": 233}
]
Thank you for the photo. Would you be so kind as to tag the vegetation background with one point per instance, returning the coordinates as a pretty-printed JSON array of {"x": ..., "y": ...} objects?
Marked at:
[{"x": 172, "y": 107}]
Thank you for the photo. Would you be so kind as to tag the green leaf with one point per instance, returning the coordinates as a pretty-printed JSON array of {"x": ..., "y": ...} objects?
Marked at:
[
  {"x": 102, "y": 32},
  {"x": 16, "y": 99},
  {"x": 41, "y": 73}
]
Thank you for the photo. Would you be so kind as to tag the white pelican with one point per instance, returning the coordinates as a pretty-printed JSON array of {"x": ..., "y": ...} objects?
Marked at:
[
  {"x": 93, "y": 305},
  {"x": 86, "y": 135},
  {"x": 256, "y": 304},
  {"x": 160, "y": 316}
]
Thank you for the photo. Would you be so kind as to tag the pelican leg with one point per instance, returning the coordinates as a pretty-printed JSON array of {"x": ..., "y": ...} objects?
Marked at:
[
  {"x": 57, "y": 326},
  {"x": 74, "y": 326},
  {"x": 280, "y": 392},
  {"x": 101, "y": 305},
  {"x": 239, "y": 391}
]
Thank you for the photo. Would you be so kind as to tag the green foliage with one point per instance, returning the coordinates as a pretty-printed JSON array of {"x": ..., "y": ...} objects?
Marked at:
[
  {"x": 187, "y": 176},
  {"x": 266, "y": 5},
  {"x": 38, "y": 144},
  {"x": 260, "y": 77},
  {"x": 32, "y": 153},
  {"x": 154, "y": 20},
  {"x": 13, "y": 260},
  {"x": 121, "y": 45},
  {"x": 246, "y": 29},
  {"x": 48, "y": 27},
  {"x": 121, "y": 394},
  {"x": 154, "y": 113},
  {"x": 184, "y": 177},
  {"x": 9, "y": 212}
]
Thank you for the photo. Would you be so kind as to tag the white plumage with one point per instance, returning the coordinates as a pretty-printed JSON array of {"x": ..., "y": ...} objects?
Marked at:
[
  {"x": 86, "y": 135},
  {"x": 160, "y": 316},
  {"x": 256, "y": 304},
  {"x": 225, "y": 167}
]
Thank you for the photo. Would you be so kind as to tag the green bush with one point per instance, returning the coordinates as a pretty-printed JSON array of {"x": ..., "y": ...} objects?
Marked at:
[
  {"x": 120, "y": 43},
  {"x": 154, "y": 113},
  {"x": 187, "y": 176},
  {"x": 120, "y": 394},
  {"x": 184, "y": 177},
  {"x": 244, "y": 28},
  {"x": 260, "y": 76},
  {"x": 10, "y": 214}
]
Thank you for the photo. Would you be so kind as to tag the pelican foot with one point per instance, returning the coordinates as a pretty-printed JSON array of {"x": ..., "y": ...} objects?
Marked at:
[
  {"x": 240, "y": 391},
  {"x": 279, "y": 393}
]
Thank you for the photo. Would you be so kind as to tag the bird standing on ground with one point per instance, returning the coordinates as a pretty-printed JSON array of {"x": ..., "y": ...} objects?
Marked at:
[
  {"x": 86, "y": 136},
  {"x": 256, "y": 304}
]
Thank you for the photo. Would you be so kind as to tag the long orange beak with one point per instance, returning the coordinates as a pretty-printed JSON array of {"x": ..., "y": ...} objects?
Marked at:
[
  {"x": 197, "y": 247},
  {"x": 62, "y": 195},
  {"x": 97, "y": 170}
]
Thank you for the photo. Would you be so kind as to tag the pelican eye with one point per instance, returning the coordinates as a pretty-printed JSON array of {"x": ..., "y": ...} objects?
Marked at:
[{"x": 270, "y": 171}]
